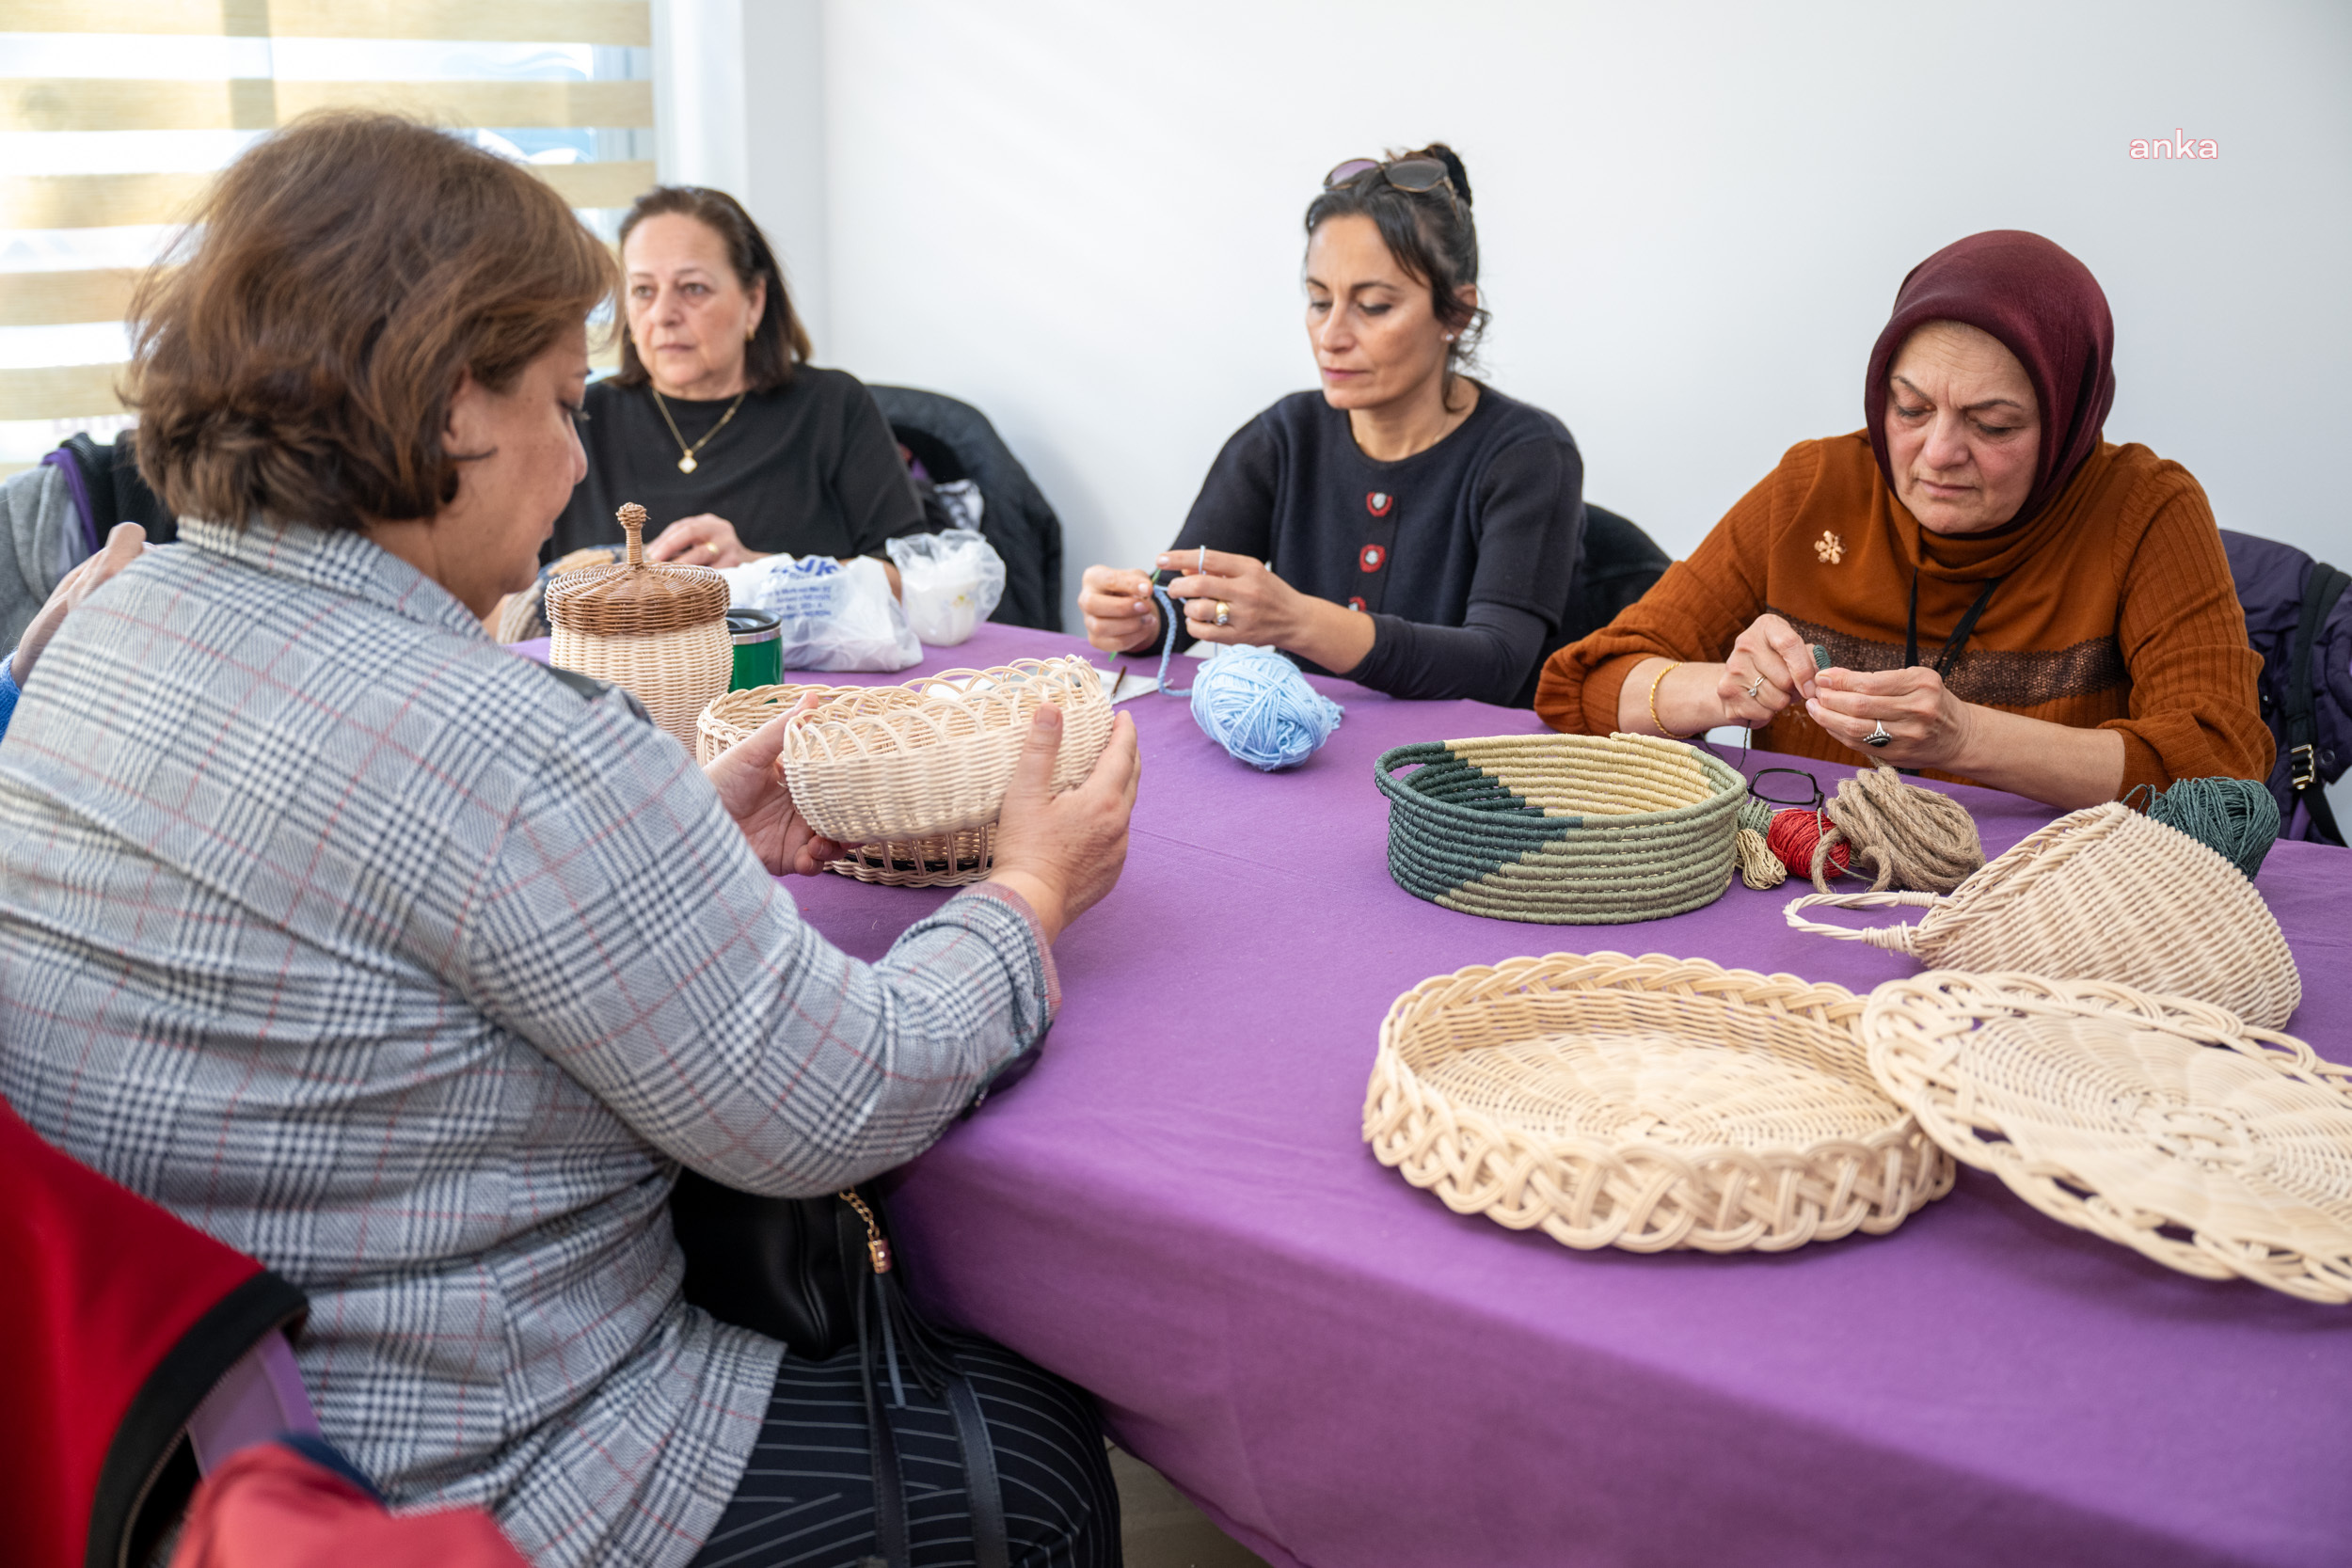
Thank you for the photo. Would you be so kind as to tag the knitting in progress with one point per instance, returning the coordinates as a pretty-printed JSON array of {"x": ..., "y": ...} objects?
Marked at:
[
  {"x": 1913, "y": 838},
  {"x": 2238, "y": 819},
  {"x": 1251, "y": 701}
]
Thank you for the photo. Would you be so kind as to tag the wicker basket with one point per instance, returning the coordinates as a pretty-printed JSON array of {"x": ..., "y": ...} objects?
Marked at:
[
  {"x": 1647, "y": 1103},
  {"x": 948, "y": 860},
  {"x": 1562, "y": 830},
  {"x": 2163, "y": 1124},
  {"x": 658, "y": 630},
  {"x": 933, "y": 758},
  {"x": 2103, "y": 893}
]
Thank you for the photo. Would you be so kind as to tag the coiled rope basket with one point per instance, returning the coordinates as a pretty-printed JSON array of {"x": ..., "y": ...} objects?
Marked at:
[
  {"x": 2163, "y": 1124},
  {"x": 927, "y": 764},
  {"x": 2102, "y": 893},
  {"x": 1648, "y": 1104},
  {"x": 943, "y": 860},
  {"x": 1562, "y": 830}
]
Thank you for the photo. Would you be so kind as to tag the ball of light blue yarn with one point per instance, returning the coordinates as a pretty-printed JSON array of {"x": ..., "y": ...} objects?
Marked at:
[{"x": 1256, "y": 704}]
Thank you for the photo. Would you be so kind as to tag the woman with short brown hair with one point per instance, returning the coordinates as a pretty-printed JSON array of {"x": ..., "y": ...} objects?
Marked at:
[{"x": 417, "y": 970}]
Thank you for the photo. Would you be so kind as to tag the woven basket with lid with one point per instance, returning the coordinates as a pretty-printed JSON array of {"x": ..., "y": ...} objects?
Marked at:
[
  {"x": 658, "y": 629},
  {"x": 2103, "y": 893},
  {"x": 1648, "y": 1104},
  {"x": 943, "y": 860}
]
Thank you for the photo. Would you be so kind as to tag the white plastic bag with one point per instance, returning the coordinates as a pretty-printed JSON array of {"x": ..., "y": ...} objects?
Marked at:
[
  {"x": 952, "y": 581},
  {"x": 830, "y": 615}
]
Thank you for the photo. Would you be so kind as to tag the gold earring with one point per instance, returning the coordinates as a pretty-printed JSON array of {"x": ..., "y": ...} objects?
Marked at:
[{"x": 749, "y": 332}]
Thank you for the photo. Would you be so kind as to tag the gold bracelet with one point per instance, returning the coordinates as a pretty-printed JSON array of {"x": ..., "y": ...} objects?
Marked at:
[{"x": 1659, "y": 722}]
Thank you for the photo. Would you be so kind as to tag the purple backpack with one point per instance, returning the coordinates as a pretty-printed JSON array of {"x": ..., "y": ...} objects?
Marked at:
[{"x": 2300, "y": 618}]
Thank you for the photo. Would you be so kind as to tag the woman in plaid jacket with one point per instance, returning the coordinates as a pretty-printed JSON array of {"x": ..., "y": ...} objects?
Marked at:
[{"x": 400, "y": 963}]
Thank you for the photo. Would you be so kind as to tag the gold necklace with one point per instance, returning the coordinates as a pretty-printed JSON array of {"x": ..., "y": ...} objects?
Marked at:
[{"x": 686, "y": 463}]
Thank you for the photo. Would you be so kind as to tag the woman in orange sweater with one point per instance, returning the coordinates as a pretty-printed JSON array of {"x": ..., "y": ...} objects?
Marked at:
[{"x": 2006, "y": 598}]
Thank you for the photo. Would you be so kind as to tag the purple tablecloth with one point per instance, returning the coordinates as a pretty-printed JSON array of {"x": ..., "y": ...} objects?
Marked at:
[{"x": 1176, "y": 1210}]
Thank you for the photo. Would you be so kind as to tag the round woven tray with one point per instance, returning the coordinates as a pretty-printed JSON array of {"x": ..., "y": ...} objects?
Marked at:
[
  {"x": 2102, "y": 893},
  {"x": 1647, "y": 1103},
  {"x": 935, "y": 755},
  {"x": 2161, "y": 1123},
  {"x": 945, "y": 859},
  {"x": 1562, "y": 830}
]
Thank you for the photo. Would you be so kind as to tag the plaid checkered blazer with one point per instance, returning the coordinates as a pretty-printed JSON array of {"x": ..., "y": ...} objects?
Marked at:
[{"x": 383, "y": 955}]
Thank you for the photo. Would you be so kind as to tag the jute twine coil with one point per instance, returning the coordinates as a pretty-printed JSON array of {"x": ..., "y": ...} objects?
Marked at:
[
  {"x": 1561, "y": 829},
  {"x": 1648, "y": 1104},
  {"x": 934, "y": 756},
  {"x": 943, "y": 860},
  {"x": 2102, "y": 893},
  {"x": 2163, "y": 1124},
  {"x": 1759, "y": 866},
  {"x": 1913, "y": 838},
  {"x": 658, "y": 630}
]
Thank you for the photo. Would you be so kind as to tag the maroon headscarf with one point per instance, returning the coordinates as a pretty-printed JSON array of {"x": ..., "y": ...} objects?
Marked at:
[{"x": 2046, "y": 308}]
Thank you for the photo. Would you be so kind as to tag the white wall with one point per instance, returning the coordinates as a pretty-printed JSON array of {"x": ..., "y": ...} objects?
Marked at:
[{"x": 1083, "y": 217}]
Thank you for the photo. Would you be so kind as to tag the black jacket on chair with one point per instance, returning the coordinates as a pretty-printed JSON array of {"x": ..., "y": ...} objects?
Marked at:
[{"x": 954, "y": 440}]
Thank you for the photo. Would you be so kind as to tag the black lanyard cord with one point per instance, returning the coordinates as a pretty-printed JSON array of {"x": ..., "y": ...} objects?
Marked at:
[{"x": 1952, "y": 644}]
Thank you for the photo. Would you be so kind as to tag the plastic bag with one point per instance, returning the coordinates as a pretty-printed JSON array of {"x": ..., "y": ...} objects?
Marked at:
[
  {"x": 952, "y": 582},
  {"x": 830, "y": 615}
]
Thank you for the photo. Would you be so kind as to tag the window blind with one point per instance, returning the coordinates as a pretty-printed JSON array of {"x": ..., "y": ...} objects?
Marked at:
[{"x": 115, "y": 114}]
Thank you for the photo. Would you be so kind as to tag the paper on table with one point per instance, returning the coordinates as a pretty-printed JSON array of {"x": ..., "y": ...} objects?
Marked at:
[{"x": 1131, "y": 684}]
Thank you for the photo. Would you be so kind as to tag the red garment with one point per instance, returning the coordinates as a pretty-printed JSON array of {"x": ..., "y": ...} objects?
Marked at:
[
  {"x": 2046, "y": 308},
  {"x": 97, "y": 1287},
  {"x": 271, "y": 1508}
]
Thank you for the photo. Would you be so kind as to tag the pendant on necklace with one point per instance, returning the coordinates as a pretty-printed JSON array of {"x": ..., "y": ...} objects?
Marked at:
[{"x": 686, "y": 463}]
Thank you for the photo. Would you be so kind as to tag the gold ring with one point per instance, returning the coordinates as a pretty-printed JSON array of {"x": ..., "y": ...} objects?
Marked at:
[{"x": 1224, "y": 613}]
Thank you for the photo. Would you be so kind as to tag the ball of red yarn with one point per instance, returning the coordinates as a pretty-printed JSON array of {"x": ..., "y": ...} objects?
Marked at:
[{"x": 1792, "y": 837}]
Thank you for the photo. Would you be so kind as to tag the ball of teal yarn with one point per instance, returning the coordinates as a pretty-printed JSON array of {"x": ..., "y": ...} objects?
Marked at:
[
  {"x": 2237, "y": 817},
  {"x": 1256, "y": 704}
]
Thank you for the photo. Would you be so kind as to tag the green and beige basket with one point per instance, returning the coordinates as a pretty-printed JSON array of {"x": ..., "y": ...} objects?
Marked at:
[
  {"x": 1648, "y": 1104},
  {"x": 1562, "y": 830},
  {"x": 916, "y": 773}
]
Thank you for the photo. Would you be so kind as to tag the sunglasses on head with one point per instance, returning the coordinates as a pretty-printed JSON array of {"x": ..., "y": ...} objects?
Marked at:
[{"x": 1416, "y": 175}]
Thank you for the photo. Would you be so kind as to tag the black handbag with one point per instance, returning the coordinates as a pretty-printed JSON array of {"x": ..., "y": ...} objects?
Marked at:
[{"x": 820, "y": 1274}]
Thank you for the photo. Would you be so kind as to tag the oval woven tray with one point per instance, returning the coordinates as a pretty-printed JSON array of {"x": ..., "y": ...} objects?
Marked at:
[
  {"x": 1647, "y": 1103},
  {"x": 935, "y": 755},
  {"x": 1562, "y": 830},
  {"x": 2161, "y": 1123},
  {"x": 2103, "y": 893},
  {"x": 943, "y": 860}
]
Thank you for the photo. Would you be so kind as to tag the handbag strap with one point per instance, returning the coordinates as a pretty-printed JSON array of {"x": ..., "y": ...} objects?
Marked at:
[
  {"x": 981, "y": 1489},
  {"x": 882, "y": 1299}
]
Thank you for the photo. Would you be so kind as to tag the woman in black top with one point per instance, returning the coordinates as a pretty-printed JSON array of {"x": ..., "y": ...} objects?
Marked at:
[
  {"x": 1410, "y": 529},
  {"x": 715, "y": 421}
]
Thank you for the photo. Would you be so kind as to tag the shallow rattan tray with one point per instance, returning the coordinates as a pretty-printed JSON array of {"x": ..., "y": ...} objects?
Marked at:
[
  {"x": 2161, "y": 1123},
  {"x": 1562, "y": 830},
  {"x": 2102, "y": 893},
  {"x": 1647, "y": 1103},
  {"x": 934, "y": 756},
  {"x": 945, "y": 859}
]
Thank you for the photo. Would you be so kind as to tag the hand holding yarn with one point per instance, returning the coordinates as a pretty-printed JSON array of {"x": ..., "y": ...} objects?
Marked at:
[
  {"x": 1770, "y": 667},
  {"x": 1233, "y": 598},
  {"x": 1926, "y": 725},
  {"x": 1252, "y": 702},
  {"x": 1116, "y": 604}
]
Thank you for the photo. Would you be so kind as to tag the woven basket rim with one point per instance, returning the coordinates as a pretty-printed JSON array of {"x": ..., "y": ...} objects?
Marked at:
[
  {"x": 1730, "y": 784},
  {"x": 2136, "y": 1220},
  {"x": 1588, "y": 1189}
]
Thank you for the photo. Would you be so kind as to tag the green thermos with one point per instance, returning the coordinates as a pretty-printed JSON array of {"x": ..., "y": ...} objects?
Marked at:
[{"x": 758, "y": 652}]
